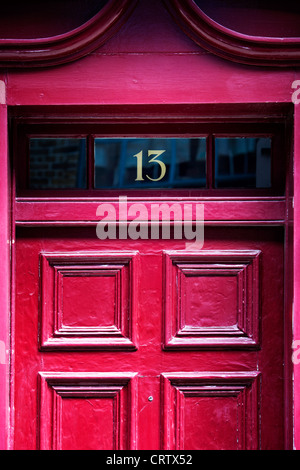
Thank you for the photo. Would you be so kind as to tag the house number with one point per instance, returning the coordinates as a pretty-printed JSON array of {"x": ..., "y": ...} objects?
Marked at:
[{"x": 154, "y": 159}]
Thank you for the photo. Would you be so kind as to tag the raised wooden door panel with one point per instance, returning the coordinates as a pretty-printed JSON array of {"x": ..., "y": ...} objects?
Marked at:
[
  {"x": 87, "y": 300},
  {"x": 82, "y": 411},
  {"x": 146, "y": 345},
  {"x": 212, "y": 299},
  {"x": 211, "y": 411}
]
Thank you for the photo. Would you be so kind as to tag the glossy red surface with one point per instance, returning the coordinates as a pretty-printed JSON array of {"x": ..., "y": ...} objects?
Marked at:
[
  {"x": 79, "y": 386},
  {"x": 36, "y": 48},
  {"x": 296, "y": 332},
  {"x": 4, "y": 287},
  {"x": 162, "y": 67}
]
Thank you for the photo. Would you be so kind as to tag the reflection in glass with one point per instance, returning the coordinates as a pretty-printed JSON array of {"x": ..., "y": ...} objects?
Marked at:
[
  {"x": 243, "y": 162},
  {"x": 150, "y": 163},
  {"x": 57, "y": 163}
]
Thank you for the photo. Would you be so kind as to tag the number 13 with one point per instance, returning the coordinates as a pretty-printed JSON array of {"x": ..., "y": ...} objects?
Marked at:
[{"x": 139, "y": 157}]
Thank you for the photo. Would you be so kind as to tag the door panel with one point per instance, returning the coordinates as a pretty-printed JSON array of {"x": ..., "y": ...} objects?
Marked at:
[
  {"x": 82, "y": 411},
  {"x": 145, "y": 345},
  {"x": 79, "y": 317},
  {"x": 212, "y": 411},
  {"x": 212, "y": 298}
]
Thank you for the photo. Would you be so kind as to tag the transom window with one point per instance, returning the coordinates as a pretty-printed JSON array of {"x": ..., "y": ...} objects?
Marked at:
[
  {"x": 231, "y": 158},
  {"x": 61, "y": 163}
]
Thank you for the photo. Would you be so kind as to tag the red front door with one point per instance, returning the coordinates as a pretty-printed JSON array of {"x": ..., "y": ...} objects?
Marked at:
[
  {"x": 148, "y": 342},
  {"x": 143, "y": 344}
]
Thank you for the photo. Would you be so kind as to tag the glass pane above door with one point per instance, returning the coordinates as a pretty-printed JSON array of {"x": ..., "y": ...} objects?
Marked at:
[
  {"x": 137, "y": 163},
  {"x": 57, "y": 163},
  {"x": 166, "y": 163},
  {"x": 243, "y": 162}
]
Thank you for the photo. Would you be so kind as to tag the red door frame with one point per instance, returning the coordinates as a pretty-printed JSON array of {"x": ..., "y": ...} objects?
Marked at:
[
  {"x": 296, "y": 277},
  {"x": 7, "y": 327},
  {"x": 5, "y": 241}
]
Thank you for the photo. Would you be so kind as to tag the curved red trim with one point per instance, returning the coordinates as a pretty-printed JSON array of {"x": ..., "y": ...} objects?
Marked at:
[
  {"x": 68, "y": 46},
  {"x": 231, "y": 45}
]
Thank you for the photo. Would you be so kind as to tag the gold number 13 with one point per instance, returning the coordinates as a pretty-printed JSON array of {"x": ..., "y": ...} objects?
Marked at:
[{"x": 139, "y": 165}]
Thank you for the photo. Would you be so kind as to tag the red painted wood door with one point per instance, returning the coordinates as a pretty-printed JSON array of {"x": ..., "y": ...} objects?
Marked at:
[{"x": 143, "y": 344}]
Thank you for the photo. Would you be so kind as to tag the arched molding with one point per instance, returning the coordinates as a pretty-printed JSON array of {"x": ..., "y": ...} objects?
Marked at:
[
  {"x": 69, "y": 46},
  {"x": 232, "y": 45}
]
